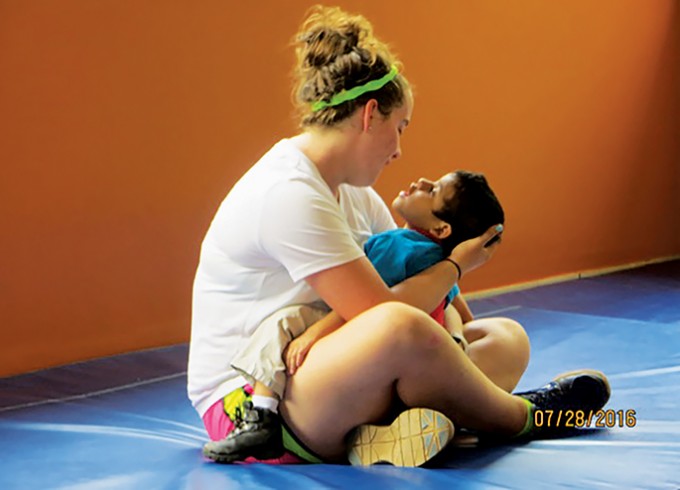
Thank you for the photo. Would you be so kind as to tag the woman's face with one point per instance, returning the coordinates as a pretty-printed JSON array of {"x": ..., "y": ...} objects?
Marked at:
[{"x": 382, "y": 142}]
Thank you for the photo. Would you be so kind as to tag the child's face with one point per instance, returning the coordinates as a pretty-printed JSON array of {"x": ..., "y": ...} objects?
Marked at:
[{"x": 418, "y": 203}]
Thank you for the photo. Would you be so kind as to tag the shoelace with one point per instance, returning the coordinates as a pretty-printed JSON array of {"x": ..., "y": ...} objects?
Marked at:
[
  {"x": 238, "y": 417},
  {"x": 244, "y": 414},
  {"x": 547, "y": 394}
]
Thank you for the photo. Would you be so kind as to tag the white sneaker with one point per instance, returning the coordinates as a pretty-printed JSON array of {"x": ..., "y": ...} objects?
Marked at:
[{"x": 415, "y": 437}]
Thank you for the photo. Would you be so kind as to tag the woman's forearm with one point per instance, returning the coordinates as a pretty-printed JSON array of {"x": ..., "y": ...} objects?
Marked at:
[
  {"x": 426, "y": 289},
  {"x": 352, "y": 288}
]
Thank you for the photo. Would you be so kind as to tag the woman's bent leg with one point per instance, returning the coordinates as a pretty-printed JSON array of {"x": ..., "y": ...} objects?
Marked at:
[
  {"x": 500, "y": 348},
  {"x": 353, "y": 375}
]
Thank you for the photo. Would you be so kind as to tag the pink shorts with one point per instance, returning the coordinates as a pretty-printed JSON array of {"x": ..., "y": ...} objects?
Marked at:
[{"x": 218, "y": 424}]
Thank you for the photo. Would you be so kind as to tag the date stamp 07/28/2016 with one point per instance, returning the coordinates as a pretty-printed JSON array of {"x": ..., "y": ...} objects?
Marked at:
[{"x": 607, "y": 418}]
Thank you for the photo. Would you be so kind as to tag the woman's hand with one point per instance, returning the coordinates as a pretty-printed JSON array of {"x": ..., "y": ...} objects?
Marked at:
[
  {"x": 472, "y": 253},
  {"x": 296, "y": 351}
]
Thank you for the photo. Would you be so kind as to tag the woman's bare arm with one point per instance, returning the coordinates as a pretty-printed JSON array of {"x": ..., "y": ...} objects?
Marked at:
[{"x": 356, "y": 286}]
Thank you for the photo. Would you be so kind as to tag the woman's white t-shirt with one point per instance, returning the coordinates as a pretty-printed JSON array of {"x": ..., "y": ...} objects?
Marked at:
[{"x": 278, "y": 225}]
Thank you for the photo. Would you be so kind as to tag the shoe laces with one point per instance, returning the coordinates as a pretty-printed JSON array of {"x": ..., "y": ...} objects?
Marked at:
[
  {"x": 545, "y": 396},
  {"x": 244, "y": 414},
  {"x": 238, "y": 417}
]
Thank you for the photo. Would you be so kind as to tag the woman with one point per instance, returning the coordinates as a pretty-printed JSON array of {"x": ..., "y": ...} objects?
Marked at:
[{"x": 291, "y": 232}]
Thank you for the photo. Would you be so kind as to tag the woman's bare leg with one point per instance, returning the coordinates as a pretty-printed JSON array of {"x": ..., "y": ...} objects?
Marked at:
[
  {"x": 353, "y": 375},
  {"x": 499, "y": 347}
]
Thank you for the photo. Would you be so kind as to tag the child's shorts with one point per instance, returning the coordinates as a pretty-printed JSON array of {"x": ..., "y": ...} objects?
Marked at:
[
  {"x": 218, "y": 421},
  {"x": 261, "y": 358}
]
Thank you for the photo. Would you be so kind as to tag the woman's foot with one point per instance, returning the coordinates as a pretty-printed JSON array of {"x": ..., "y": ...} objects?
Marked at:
[
  {"x": 567, "y": 402},
  {"x": 414, "y": 438}
]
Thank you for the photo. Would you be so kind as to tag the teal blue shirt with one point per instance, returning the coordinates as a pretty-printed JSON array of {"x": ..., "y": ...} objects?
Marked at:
[{"x": 402, "y": 253}]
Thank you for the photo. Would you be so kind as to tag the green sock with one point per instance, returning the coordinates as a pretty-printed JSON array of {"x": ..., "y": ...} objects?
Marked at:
[{"x": 529, "y": 424}]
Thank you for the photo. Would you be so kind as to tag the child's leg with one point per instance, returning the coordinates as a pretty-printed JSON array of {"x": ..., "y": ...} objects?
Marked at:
[
  {"x": 220, "y": 419},
  {"x": 258, "y": 430},
  {"x": 263, "y": 397}
]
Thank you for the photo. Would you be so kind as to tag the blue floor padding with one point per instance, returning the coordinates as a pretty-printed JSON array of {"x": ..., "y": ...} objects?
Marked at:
[
  {"x": 93, "y": 376},
  {"x": 124, "y": 422},
  {"x": 650, "y": 293}
]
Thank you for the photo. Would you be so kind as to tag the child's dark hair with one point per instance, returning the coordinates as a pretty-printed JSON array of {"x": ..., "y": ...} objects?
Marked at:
[{"x": 472, "y": 210}]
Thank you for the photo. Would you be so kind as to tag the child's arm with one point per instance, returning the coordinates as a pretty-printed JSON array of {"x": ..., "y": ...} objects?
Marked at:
[
  {"x": 462, "y": 308},
  {"x": 455, "y": 316},
  {"x": 453, "y": 321},
  {"x": 296, "y": 351}
]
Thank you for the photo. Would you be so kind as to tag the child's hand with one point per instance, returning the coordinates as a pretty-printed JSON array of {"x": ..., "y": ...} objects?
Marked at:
[
  {"x": 295, "y": 353},
  {"x": 475, "y": 252}
]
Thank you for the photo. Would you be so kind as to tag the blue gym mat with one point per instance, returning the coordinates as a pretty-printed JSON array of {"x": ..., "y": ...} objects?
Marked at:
[{"x": 124, "y": 422}]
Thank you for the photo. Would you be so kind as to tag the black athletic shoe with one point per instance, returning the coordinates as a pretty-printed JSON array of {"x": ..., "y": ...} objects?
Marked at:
[
  {"x": 568, "y": 402},
  {"x": 257, "y": 433}
]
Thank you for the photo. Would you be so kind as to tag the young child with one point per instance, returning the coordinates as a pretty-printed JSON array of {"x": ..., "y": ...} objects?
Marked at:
[{"x": 439, "y": 215}]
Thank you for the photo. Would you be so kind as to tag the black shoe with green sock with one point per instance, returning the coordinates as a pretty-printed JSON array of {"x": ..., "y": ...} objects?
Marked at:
[{"x": 567, "y": 402}]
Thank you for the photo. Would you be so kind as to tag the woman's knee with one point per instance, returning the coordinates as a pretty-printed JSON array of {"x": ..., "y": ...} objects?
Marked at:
[
  {"x": 500, "y": 348},
  {"x": 501, "y": 335},
  {"x": 501, "y": 328},
  {"x": 513, "y": 330},
  {"x": 405, "y": 327}
]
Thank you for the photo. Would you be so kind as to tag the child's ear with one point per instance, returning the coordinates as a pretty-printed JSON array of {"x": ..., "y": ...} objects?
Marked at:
[{"x": 441, "y": 231}]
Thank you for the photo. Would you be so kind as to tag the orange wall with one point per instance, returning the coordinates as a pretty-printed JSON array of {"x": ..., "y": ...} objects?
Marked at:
[{"x": 123, "y": 124}]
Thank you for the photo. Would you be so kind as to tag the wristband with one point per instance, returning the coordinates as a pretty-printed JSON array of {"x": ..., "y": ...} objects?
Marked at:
[{"x": 460, "y": 273}]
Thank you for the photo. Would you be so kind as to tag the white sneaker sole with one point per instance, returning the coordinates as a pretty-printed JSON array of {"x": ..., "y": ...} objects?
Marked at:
[{"x": 414, "y": 438}]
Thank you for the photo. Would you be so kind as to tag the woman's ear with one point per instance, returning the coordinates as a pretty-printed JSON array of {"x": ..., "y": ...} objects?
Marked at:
[
  {"x": 441, "y": 231},
  {"x": 367, "y": 114}
]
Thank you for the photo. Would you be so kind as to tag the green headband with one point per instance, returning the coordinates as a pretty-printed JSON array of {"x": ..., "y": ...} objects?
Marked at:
[{"x": 353, "y": 93}]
